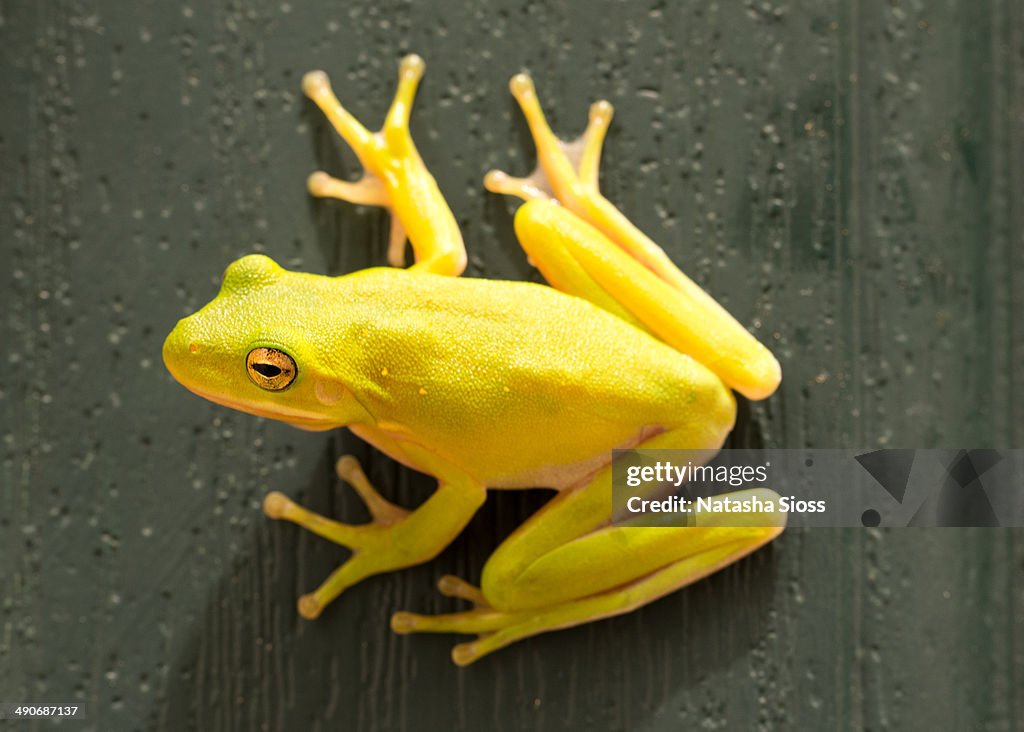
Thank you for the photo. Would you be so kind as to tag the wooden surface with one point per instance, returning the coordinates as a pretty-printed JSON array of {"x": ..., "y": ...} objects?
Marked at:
[{"x": 846, "y": 177}]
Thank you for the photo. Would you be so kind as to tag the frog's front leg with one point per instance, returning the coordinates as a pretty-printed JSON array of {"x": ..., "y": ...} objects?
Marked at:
[
  {"x": 394, "y": 176},
  {"x": 588, "y": 248},
  {"x": 396, "y": 538}
]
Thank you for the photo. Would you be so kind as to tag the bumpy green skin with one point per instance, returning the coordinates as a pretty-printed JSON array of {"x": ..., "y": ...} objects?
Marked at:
[
  {"x": 435, "y": 360},
  {"x": 488, "y": 384}
]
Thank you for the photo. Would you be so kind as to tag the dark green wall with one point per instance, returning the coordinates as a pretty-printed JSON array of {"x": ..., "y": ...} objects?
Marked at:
[{"x": 847, "y": 176}]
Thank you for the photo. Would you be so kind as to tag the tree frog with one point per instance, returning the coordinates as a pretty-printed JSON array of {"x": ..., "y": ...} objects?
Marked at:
[{"x": 488, "y": 384}]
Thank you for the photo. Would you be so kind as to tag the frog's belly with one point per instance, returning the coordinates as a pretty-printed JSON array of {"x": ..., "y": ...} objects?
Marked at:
[
  {"x": 558, "y": 476},
  {"x": 568, "y": 475}
]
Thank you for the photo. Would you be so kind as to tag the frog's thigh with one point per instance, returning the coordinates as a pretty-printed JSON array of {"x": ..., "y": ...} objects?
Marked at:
[
  {"x": 558, "y": 556},
  {"x": 616, "y": 556},
  {"x": 577, "y": 258},
  {"x": 699, "y": 552}
]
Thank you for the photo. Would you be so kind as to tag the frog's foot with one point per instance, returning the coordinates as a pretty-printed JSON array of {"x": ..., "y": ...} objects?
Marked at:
[
  {"x": 367, "y": 191},
  {"x": 451, "y": 586},
  {"x": 384, "y": 512},
  {"x": 395, "y": 538},
  {"x": 482, "y": 620},
  {"x": 394, "y": 176},
  {"x": 567, "y": 173},
  {"x": 565, "y": 170},
  {"x": 494, "y": 629},
  {"x": 367, "y": 541}
]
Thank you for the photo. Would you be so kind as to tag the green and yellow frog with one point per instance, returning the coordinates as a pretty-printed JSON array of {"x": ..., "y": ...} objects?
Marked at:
[{"x": 490, "y": 384}]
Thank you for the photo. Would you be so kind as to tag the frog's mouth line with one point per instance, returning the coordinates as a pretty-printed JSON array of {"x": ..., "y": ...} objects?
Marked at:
[{"x": 294, "y": 417}]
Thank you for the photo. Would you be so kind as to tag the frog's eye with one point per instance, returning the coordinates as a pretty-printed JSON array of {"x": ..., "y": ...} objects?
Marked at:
[{"x": 270, "y": 368}]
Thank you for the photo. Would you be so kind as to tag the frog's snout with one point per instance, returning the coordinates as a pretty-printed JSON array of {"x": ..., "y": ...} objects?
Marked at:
[{"x": 178, "y": 347}]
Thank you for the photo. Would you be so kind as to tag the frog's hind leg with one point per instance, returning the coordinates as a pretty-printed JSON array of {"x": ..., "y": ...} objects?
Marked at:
[
  {"x": 568, "y": 565},
  {"x": 588, "y": 248},
  {"x": 712, "y": 549},
  {"x": 681, "y": 555},
  {"x": 394, "y": 176}
]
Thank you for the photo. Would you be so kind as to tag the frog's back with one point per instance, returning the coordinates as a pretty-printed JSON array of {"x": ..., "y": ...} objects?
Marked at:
[
  {"x": 484, "y": 359},
  {"x": 518, "y": 330}
]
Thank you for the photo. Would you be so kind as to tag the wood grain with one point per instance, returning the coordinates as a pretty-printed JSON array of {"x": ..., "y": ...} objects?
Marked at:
[{"x": 846, "y": 177}]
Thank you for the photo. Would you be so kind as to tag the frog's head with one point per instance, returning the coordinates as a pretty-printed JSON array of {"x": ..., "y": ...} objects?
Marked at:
[{"x": 254, "y": 347}]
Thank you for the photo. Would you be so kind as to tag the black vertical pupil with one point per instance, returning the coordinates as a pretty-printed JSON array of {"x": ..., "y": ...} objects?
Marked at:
[{"x": 266, "y": 369}]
